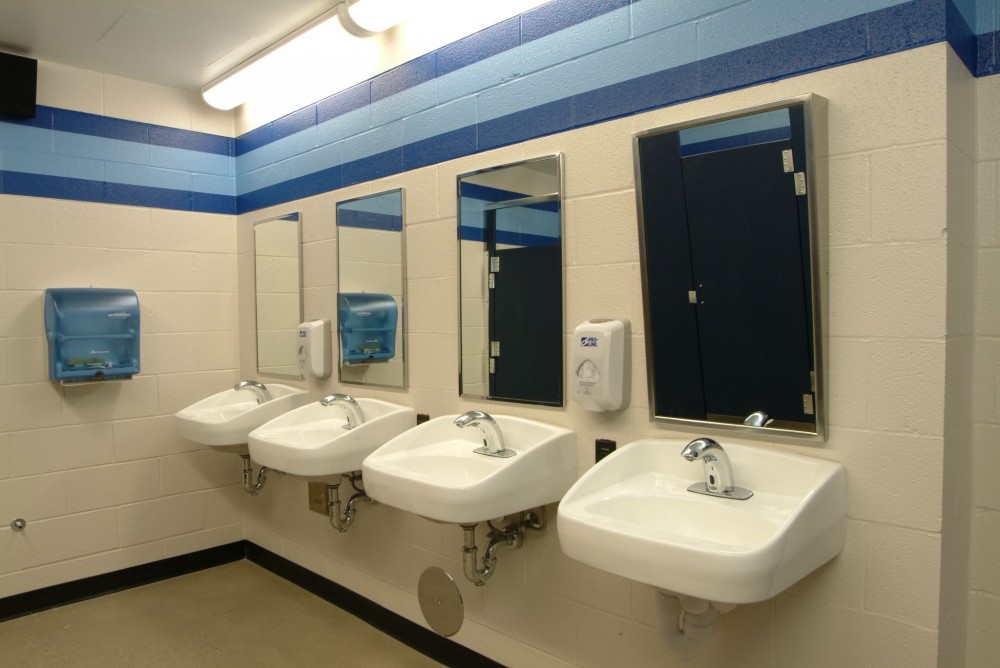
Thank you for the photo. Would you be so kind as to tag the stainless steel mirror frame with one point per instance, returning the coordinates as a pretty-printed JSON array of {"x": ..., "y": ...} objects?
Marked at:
[
  {"x": 401, "y": 325},
  {"x": 562, "y": 258},
  {"x": 297, "y": 218},
  {"x": 816, "y": 148}
]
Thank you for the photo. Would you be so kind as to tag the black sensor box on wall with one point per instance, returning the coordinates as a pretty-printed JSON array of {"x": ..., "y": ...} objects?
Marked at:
[{"x": 18, "y": 85}]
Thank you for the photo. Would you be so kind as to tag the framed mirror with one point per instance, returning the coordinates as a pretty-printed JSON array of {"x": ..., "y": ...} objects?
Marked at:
[
  {"x": 511, "y": 282},
  {"x": 727, "y": 228},
  {"x": 277, "y": 246},
  {"x": 371, "y": 290}
]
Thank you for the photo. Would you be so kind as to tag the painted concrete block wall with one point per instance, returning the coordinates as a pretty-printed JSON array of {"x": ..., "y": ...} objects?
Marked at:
[
  {"x": 984, "y": 582},
  {"x": 96, "y": 470},
  {"x": 887, "y": 341}
]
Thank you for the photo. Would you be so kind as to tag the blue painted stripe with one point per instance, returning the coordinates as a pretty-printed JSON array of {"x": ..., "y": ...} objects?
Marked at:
[
  {"x": 82, "y": 123},
  {"x": 988, "y": 54},
  {"x": 369, "y": 220},
  {"x": 87, "y": 190},
  {"x": 735, "y": 141},
  {"x": 890, "y": 28},
  {"x": 507, "y": 237}
]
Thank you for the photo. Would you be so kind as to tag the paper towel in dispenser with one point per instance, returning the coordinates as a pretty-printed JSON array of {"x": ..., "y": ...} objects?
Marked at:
[
  {"x": 93, "y": 333},
  {"x": 367, "y": 325}
]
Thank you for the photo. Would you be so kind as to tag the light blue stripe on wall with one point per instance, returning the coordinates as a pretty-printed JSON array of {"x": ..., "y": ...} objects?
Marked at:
[{"x": 68, "y": 166}]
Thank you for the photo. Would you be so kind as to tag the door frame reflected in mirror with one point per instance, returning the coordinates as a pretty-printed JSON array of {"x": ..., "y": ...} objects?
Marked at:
[
  {"x": 476, "y": 382},
  {"x": 295, "y": 218},
  {"x": 811, "y": 136}
]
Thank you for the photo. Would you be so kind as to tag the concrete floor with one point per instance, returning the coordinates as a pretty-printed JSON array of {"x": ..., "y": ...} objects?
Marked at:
[{"x": 233, "y": 615}]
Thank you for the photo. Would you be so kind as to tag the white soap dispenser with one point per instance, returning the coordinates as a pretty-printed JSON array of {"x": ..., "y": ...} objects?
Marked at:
[
  {"x": 314, "y": 349},
  {"x": 600, "y": 364}
]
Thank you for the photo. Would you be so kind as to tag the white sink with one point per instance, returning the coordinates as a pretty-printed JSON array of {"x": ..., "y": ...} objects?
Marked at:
[
  {"x": 311, "y": 442},
  {"x": 632, "y": 515},
  {"x": 224, "y": 420},
  {"x": 431, "y": 470}
]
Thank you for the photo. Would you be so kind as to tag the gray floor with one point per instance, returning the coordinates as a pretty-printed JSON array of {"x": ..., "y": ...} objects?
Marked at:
[{"x": 233, "y": 615}]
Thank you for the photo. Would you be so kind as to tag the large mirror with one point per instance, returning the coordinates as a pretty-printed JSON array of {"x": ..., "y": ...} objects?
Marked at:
[
  {"x": 371, "y": 286},
  {"x": 278, "y": 286},
  {"x": 727, "y": 218},
  {"x": 510, "y": 231}
]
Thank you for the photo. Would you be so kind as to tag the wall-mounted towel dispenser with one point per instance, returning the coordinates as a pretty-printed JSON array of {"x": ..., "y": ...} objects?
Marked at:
[
  {"x": 93, "y": 334},
  {"x": 367, "y": 325}
]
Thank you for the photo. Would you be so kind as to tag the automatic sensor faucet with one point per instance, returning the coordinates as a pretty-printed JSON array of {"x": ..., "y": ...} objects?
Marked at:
[
  {"x": 258, "y": 389},
  {"x": 718, "y": 470},
  {"x": 492, "y": 438},
  {"x": 354, "y": 414}
]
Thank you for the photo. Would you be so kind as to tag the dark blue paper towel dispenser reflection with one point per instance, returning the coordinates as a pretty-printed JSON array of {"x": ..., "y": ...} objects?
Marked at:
[
  {"x": 367, "y": 324},
  {"x": 93, "y": 333}
]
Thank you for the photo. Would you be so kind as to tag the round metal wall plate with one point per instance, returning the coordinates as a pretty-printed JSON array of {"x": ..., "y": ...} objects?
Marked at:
[{"x": 440, "y": 601}]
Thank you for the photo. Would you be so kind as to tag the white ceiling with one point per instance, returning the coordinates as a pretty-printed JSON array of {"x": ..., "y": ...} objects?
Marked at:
[{"x": 179, "y": 43}]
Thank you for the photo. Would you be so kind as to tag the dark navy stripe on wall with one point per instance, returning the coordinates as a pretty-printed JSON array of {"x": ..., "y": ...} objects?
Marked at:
[
  {"x": 988, "y": 54},
  {"x": 369, "y": 220},
  {"x": 84, "y": 190},
  {"x": 94, "y": 125},
  {"x": 507, "y": 237}
]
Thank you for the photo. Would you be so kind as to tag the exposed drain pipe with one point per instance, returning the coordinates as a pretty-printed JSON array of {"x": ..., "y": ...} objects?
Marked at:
[
  {"x": 685, "y": 622},
  {"x": 248, "y": 484},
  {"x": 342, "y": 522},
  {"x": 511, "y": 536}
]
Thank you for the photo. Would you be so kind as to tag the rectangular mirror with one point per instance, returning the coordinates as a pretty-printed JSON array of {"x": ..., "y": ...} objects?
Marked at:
[
  {"x": 511, "y": 283},
  {"x": 277, "y": 246},
  {"x": 727, "y": 227},
  {"x": 371, "y": 290}
]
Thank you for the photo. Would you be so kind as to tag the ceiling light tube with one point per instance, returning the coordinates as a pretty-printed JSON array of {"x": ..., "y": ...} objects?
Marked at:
[{"x": 232, "y": 88}]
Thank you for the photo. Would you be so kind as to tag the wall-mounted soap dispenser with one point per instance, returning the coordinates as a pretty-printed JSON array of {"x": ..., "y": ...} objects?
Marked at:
[
  {"x": 93, "y": 334},
  {"x": 314, "y": 349},
  {"x": 367, "y": 325},
  {"x": 600, "y": 365}
]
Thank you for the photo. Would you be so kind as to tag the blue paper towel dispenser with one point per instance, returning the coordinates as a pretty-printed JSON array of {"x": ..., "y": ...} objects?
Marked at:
[
  {"x": 367, "y": 325},
  {"x": 93, "y": 333}
]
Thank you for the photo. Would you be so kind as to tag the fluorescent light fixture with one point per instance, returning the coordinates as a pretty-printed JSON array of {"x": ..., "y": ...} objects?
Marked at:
[
  {"x": 368, "y": 17},
  {"x": 316, "y": 41}
]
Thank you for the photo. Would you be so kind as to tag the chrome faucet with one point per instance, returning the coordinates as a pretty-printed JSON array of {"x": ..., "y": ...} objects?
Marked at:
[
  {"x": 718, "y": 470},
  {"x": 258, "y": 390},
  {"x": 490, "y": 430},
  {"x": 354, "y": 414}
]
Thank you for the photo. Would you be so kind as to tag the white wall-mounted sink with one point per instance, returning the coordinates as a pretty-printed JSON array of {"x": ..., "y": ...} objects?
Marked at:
[
  {"x": 632, "y": 515},
  {"x": 431, "y": 470},
  {"x": 311, "y": 441},
  {"x": 224, "y": 420}
]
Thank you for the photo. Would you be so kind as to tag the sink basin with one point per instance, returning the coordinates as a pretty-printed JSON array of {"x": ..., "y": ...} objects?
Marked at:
[
  {"x": 224, "y": 420},
  {"x": 311, "y": 442},
  {"x": 632, "y": 515},
  {"x": 432, "y": 471}
]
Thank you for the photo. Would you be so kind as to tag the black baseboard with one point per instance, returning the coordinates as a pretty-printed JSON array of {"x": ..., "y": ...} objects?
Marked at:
[
  {"x": 402, "y": 629},
  {"x": 108, "y": 583},
  {"x": 409, "y": 633}
]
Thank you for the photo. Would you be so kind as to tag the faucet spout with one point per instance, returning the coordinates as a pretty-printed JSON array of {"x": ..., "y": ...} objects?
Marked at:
[
  {"x": 718, "y": 470},
  {"x": 493, "y": 444},
  {"x": 258, "y": 389},
  {"x": 355, "y": 415}
]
